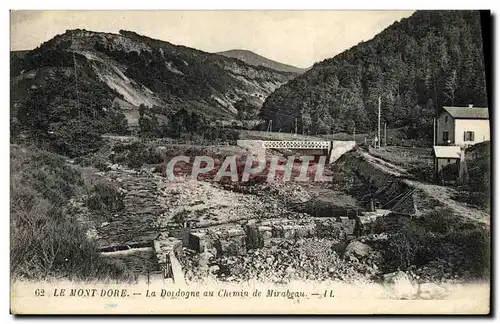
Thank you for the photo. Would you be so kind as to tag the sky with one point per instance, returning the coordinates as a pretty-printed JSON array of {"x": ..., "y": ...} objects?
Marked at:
[{"x": 298, "y": 38}]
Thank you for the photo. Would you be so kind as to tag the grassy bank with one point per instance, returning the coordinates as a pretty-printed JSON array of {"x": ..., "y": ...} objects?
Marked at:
[
  {"x": 440, "y": 238},
  {"x": 417, "y": 161},
  {"x": 46, "y": 239}
]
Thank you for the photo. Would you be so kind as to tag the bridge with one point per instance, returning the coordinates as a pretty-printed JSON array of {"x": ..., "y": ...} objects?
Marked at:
[
  {"x": 333, "y": 149},
  {"x": 316, "y": 145}
]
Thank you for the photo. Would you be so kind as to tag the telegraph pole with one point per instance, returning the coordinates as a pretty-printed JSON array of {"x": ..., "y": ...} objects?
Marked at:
[
  {"x": 385, "y": 134},
  {"x": 434, "y": 133},
  {"x": 295, "y": 126},
  {"x": 354, "y": 133},
  {"x": 379, "y": 121},
  {"x": 270, "y": 126}
]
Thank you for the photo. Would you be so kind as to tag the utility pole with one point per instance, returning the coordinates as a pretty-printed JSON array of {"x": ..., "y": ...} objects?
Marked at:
[
  {"x": 295, "y": 126},
  {"x": 354, "y": 134},
  {"x": 385, "y": 134},
  {"x": 434, "y": 133},
  {"x": 379, "y": 121}
]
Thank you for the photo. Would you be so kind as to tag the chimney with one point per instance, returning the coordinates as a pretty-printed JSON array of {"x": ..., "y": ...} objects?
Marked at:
[{"x": 471, "y": 105}]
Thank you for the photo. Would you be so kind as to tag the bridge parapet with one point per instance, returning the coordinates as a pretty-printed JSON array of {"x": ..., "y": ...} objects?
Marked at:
[
  {"x": 323, "y": 145},
  {"x": 335, "y": 148}
]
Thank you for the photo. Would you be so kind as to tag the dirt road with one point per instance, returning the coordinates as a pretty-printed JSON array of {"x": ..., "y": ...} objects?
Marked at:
[{"x": 441, "y": 194}]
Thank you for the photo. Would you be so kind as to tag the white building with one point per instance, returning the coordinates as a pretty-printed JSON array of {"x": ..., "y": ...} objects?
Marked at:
[
  {"x": 457, "y": 128},
  {"x": 463, "y": 126}
]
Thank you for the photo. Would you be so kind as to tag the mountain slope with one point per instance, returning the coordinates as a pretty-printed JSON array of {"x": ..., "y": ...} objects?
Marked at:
[
  {"x": 97, "y": 79},
  {"x": 254, "y": 59},
  {"x": 423, "y": 62},
  {"x": 152, "y": 72}
]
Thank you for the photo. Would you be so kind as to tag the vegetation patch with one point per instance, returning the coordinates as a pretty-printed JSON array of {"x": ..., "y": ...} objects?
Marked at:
[
  {"x": 105, "y": 199},
  {"x": 439, "y": 236},
  {"x": 46, "y": 239}
]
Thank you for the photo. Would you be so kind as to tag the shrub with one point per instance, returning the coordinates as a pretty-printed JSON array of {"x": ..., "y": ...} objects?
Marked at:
[
  {"x": 96, "y": 160},
  {"x": 400, "y": 253},
  {"x": 412, "y": 245},
  {"x": 439, "y": 235},
  {"x": 232, "y": 249},
  {"x": 331, "y": 229},
  {"x": 135, "y": 154},
  {"x": 475, "y": 245},
  {"x": 440, "y": 221},
  {"x": 105, "y": 199}
]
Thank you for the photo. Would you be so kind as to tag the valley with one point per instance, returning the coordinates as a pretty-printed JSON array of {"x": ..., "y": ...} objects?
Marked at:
[
  {"x": 281, "y": 231},
  {"x": 135, "y": 160}
]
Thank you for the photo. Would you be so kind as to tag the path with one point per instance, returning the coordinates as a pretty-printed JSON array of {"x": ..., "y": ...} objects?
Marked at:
[
  {"x": 441, "y": 194},
  {"x": 135, "y": 225}
]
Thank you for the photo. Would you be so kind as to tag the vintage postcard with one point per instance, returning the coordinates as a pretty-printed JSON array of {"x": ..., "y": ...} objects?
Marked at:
[{"x": 250, "y": 162}]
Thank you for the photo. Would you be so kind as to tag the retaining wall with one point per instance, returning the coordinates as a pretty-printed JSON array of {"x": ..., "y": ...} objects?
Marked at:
[
  {"x": 167, "y": 250},
  {"x": 386, "y": 189}
]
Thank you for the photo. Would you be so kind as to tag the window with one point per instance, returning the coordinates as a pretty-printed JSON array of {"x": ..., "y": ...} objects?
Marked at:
[
  {"x": 445, "y": 119},
  {"x": 468, "y": 136},
  {"x": 445, "y": 136}
]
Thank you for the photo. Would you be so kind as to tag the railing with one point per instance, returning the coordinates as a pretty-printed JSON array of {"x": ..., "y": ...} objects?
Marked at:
[{"x": 297, "y": 144}]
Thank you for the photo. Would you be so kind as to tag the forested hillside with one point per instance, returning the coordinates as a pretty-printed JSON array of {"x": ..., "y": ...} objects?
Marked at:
[
  {"x": 81, "y": 84},
  {"x": 423, "y": 62}
]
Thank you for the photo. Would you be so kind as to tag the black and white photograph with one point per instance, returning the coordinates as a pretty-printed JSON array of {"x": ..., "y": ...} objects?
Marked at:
[{"x": 250, "y": 161}]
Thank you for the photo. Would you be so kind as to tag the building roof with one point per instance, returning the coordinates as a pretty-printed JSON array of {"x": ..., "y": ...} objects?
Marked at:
[
  {"x": 447, "y": 152},
  {"x": 468, "y": 112}
]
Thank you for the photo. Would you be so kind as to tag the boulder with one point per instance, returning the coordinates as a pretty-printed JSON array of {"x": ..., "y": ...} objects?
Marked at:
[
  {"x": 399, "y": 286},
  {"x": 431, "y": 291},
  {"x": 214, "y": 268},
  {"x": 357, "y": 249},
  {"x": 204, "y": 259},
  {"x": 339, "y": 247}
]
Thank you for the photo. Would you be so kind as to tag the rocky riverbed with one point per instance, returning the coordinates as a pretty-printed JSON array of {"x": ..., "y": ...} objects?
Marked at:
[{"x": 153, "y": 205}]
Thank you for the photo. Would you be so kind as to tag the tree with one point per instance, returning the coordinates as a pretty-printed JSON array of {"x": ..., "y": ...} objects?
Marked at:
[
  {"x": 451, "y": 86},
  {"x": 306, "y": 122},
  {"x": 431, "y": 57},
  {"x": 142, "y": 109},
  {"x": 148, "y": 125}
]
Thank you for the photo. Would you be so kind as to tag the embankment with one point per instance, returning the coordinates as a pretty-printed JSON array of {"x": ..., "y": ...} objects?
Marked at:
[{"x": 366, "y": 182}]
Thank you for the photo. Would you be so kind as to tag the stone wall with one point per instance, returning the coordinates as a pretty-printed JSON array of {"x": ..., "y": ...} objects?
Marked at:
[
  {"x": 167, "y": 251},
  {"x": 253, "y": 146},
  {"x": 339, "y": 148}
]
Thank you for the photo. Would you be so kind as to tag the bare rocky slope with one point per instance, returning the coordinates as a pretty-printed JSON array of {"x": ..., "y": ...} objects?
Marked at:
[
  {"x": 255, "y": 59},
  {"x": 119, "y": 72}
]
